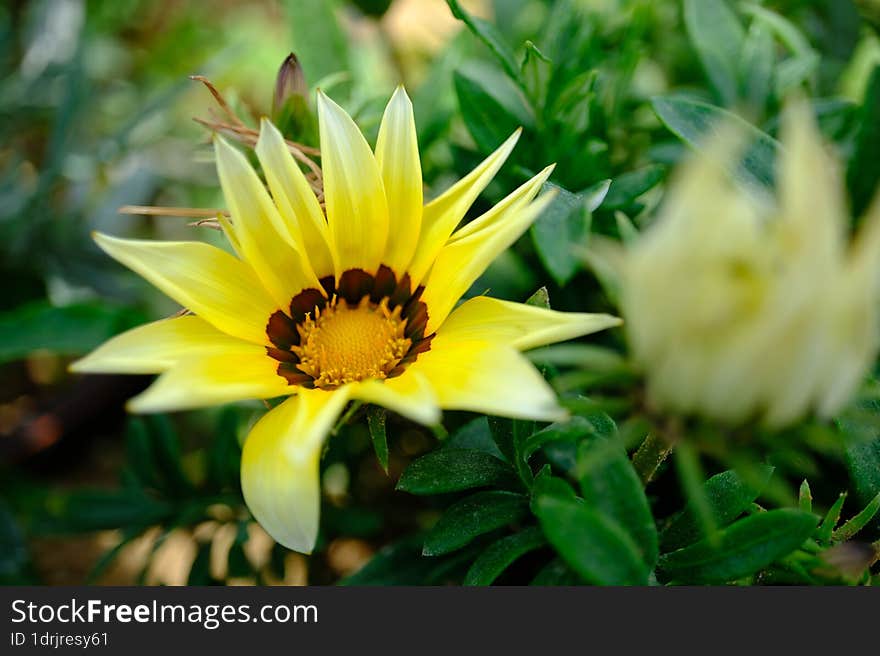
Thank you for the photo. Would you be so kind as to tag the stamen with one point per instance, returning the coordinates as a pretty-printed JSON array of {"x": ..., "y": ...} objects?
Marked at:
[{"x": 344, "y": 343}]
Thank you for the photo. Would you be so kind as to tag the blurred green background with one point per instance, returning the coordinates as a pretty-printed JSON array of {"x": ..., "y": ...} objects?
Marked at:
[{"x": 96, "y": 109}]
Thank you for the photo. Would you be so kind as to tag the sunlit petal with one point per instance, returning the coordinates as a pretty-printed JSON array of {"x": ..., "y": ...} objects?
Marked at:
[
  {"x": 441, "y": 216},
  {"x": 280, "y": 466},
  {"x": 221, "y": 289},
  {"x": 397, "y": 153},
  {"x": 263, "y": 237},
  {"x": 354, "y": 197},
  {"x": 295, "y": 199},
  {"x": 519, "y": 325},
  {"x": 158, "y": 346}
]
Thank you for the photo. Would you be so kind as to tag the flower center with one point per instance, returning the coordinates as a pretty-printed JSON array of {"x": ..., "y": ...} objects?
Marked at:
[{"x": 342, "y": 343}]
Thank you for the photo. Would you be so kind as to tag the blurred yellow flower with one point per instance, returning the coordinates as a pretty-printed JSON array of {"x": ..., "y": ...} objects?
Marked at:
[
  {"x": 738, "y": 308},
  {"x": 351, "y": 301}
]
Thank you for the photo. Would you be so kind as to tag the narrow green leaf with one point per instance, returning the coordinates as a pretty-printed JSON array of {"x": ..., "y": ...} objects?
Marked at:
[
  {"x": 695, "y": 122},
  {"x": 717, "y": 36},
  {"x": 627, "y": 187},
  {"x": 500, "y": 555},
  {"x": 610, "y": 485},
  {"x": 826, "y": 528},
  {"x": 554, "y": 573},
  {"x": 453, "y": 470},
  {"x": 595, "y": 546},
  {"x": 492, "y": 107},
  {"x": 756, "y": 67},
  {"x": 564, "y": 224},
  {"x": 472, "y": 517},
  {"x": 489, "y": 35},
  {"x": 728, "y": 496},
  {"x": 166, "y": 450},
  {"x": 376, "y": 421},
  {"x": 475, "y": 435},
  {"x": 743, "y": 548},
  {"x": 570, "y": 430},
  {"x": 863, "y": 452},
  {"x": 863, "y": 174},
  {"x": 690, "y": 475},
  {"x": 857, "y": 523},
  {"x": 541, "y": 299},
  {"x": 224, "y": 454},
  {"x": 805, "y": 497},
  {"x": 200, "y": 571}
]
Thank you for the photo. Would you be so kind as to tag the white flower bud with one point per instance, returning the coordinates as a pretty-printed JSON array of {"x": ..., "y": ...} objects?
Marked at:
[{"x": 738, "y": 308}]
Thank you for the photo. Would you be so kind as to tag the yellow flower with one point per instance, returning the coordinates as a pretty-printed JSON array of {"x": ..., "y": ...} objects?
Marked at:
[
  {"x": 742, "y": 307},
  {"x": 354, "y": 301}
]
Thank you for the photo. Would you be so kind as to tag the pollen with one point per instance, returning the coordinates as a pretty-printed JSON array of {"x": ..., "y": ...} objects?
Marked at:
[{"x": 344, "y": 343}]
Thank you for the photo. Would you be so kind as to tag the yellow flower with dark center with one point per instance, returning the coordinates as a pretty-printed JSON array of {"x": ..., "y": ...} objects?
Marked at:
[{"x": 353, "y": 301}]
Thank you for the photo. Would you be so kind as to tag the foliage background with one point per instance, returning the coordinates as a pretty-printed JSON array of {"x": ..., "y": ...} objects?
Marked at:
[{"x": 96, "y": 110}]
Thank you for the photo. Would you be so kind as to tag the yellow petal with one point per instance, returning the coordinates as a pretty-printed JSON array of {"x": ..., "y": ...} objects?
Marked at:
[
  {"x": 354, "y": 196},
  {"x": 486, "y": 377},
  {"x": 409, "y": 394},
  {"x": 811, "y": 191},
  {"x": 295, "y": 199},
  {"x": 280, "y": 466},
  {"x": 463, "y": 260},
  {"x": 202, "y": 381},
  {"x": 221, "y": 289},
  {"x": 397, "y": 153},
  {"x": 441, "y": 216},
  {"x": 519, "y": 325},
  {"x": 158, "y": 346},
  {"x": 264, "y": 239}
]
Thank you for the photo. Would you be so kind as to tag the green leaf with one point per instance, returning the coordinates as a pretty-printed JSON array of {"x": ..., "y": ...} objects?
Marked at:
[
  {"x": 474, "y": 516},
  {"x": 826, "y": 528},
  {"x": 501, "y": 555},
  {"x": 95, "y": 510},
  {"x": 376, "y": 422},
  {"x": 595, "y": 546},
  {"x": 863, "y": 173},
  {"x": 717, "y": 36},
  {"x": 728, "y": 497},
  {"x": 556, "y": 572},
  {"x": 569, "y": 430},
  {"x": 756, "y": 67},
  {"x": 453, "y": 470},
  {"x": 491, "y": 107},
  {"x": 805, "y": 497},
  {"x": 610, "y": 485},
  {"x": 224, "y": 454},
  {"x": 563, "y": 224},
  {"x": 68, "y": 330},
  {"x": 489, "y": 35},
  {"x": 475, "y": 435},
  {"x": 200, "y": 571},
  {"x": 863, "y": 456},
  {"x": 695, "y": 123},
  {"x": 317, "y": 39},
  {"x": 627, "y": 187},
  {"x": 744, "y": 548},
  {"x": 857, "y": 523},
  {"x": 166, "y": 450}
]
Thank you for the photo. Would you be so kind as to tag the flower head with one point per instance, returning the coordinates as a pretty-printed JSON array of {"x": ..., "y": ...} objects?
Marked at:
[
  {"x": 352, "y": 300},
  {"x": 737, "y": 308}
]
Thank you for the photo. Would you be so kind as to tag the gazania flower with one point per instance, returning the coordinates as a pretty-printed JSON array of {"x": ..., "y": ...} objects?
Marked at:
[
  {"x": 738, "y": 308},
  {"x": 355, "y": 300}
]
